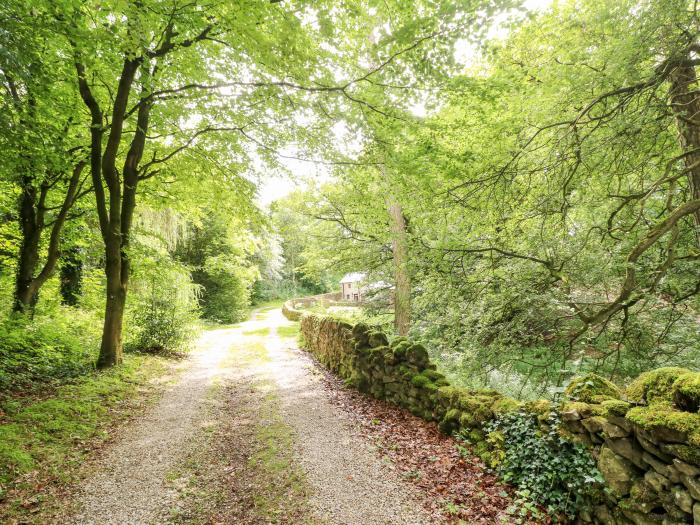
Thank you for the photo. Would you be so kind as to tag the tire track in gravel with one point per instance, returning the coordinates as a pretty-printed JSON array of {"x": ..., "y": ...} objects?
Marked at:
[
  {"x": 128, "y": 485},
  {"x": 351, "y": 484}
]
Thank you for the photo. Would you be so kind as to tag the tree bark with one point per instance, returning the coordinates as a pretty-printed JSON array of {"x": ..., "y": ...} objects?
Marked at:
[
  {"x": 71, "y": 276},
  {"x": 111, "y": 349},
  {"x": 685, "y": 104},
  {"x": 32, "y": 214},
  {"x": 25, "y": 293},
  {"x": 402, "y": 278}
]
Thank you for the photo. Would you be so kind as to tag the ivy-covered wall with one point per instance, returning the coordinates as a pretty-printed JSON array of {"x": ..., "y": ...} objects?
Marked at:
[{"x": 645, "y": 440}]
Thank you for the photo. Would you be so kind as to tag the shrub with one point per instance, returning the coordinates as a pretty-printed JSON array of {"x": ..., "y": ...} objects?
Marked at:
[
  {"x": 46, "y": 349},
  {"x": 544, "y": 467},
  {"x": 164, "y": 316},
  {"x": 226, "y": 285}
]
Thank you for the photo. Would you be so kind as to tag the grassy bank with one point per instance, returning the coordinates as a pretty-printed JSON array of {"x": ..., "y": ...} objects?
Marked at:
[{"x": 44, "y": 438}]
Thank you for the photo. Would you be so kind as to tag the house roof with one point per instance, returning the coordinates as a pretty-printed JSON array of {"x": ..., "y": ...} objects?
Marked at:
[{"x": 353, "y": 277}]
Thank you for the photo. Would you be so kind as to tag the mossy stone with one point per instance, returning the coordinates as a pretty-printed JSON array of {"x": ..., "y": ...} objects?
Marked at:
[
  {"x": 644, "y": 517},
  {"x": 450, "y": 422},
  {"x": 360, "y": 332},
  {"x": 655, "y": 386},
  {"x": 594, "y": 424},
  {"x": 418, "y": 355},
  {"x": 618, "y": 472},
  {"x": 397, "y": 341},
  {"x": 420, "y": 380},
  {"x": 590, "y": 386},
  {"x": 400, "y": 350},
  {"x": 542, "y": 408},
  {"x": 693, "y": 486},
  {"x": 478, "y": 409},
  {"x": 506, "y": 405},
  {"x": 575, "y": 410},
  {"x": 686, "y": 391},
  {"x": 615, "y": 407},
  {"x": 689, "y": 454},
  {"x": 447, "y": 395},
  {"x": 657, "y": 481},
  {"x": 666, "y": 424},
  {"x": 433, "y": 375},
  {"x": 377, "y": 339},
  {"x": 682, "y": 498},
  {"x": 642, "y": 492},
  {"x": 628, "y": 449}
]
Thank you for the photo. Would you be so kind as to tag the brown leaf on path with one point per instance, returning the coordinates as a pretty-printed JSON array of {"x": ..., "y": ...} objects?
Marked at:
[{"x": 455, "y": 488}]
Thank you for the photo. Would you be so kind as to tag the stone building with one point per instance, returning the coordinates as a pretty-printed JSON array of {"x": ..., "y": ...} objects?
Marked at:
[{"x": 351, "y": 286}]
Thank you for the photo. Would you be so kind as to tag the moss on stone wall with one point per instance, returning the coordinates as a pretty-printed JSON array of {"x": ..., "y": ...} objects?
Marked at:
[
  {"x": 646, "y": 440},
  {"x": 655, "y": 386}
]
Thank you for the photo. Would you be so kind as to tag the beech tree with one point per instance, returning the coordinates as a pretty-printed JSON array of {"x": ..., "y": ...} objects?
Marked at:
[{"x": 43, "y": 145}]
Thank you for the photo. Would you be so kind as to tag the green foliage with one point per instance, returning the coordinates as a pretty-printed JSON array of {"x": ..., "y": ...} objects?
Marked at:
[
  {"x": 547, "y": 469},
  {"x": 227, "y": 293},
  {"x": 46, "y": 350},
  {"x": 549, "y": 201},
  {"x": 165, "y": 313},
  {"x": 219, "y": 251}
]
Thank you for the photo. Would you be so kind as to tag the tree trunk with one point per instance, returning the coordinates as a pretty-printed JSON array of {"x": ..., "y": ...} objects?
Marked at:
[
  {"x": 111, "y": 346},
  {"x": 402, "y": 279},
  {"x": 32, "y": 215},
  {"x": 71, "y": 276},
  {"x": 25, "y": 292},
  {"x": 122, "y": 203},
  {"x": 685, "y": 104}
]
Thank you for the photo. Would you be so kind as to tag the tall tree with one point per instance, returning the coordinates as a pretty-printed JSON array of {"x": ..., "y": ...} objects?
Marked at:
[{"x": 46, "y": 159}]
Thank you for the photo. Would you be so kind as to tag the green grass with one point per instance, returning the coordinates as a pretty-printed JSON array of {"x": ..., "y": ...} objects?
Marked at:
[
  {"x": 271, "y": 485},
  {"x": 260, "y": 331},
  {"x": 288, "y": 331},
  {"x": 281, "y": 487},
  {"x": 51, "y": 436}
]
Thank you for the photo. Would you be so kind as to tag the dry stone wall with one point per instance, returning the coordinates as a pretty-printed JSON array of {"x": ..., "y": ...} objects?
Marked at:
[{"x": 646, "y": 439}]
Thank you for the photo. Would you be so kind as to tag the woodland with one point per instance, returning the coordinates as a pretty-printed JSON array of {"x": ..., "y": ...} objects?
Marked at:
[{"x": 519, "y": 180}]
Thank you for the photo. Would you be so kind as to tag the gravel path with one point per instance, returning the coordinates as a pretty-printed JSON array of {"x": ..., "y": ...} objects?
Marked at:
[
  {"x": 129, "y": 485},
  {"x": 352, "y": 486}
]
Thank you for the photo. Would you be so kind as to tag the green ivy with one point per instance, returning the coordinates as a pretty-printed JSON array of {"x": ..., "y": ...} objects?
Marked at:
[{"x": 545, "y": 468}]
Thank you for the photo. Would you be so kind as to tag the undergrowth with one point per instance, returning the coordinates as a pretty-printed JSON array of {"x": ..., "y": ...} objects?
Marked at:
[{"x": 46, "y": 350}]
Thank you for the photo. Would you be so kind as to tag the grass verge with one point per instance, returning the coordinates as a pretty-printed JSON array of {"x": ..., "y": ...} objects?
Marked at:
[
  {"x": 288, "y": 331},
  {"x": 44, "y": 440},
  {"x": 260, "y": 331}
]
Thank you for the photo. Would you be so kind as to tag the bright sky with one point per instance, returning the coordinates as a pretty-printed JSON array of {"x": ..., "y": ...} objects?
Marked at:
[{"x": 276, "y": 186}]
